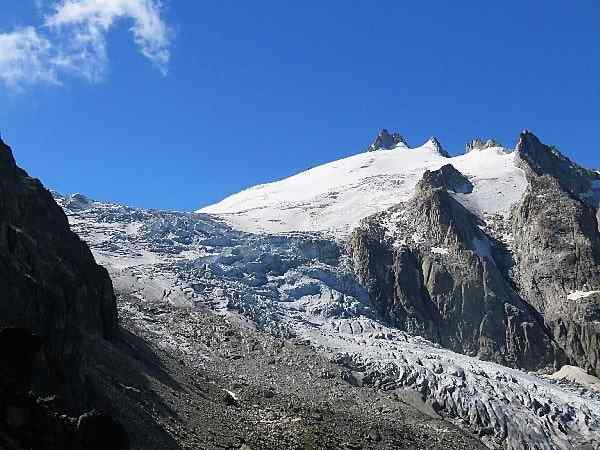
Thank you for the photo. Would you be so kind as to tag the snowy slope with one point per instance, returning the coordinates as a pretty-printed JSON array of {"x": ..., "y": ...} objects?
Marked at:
[{"x": 334, "y": 197}]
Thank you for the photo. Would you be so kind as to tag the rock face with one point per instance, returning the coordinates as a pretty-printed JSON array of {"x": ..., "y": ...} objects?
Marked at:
[
  {"x": 442, "y": 280},
  {"x": 386, "y": 141},
  {"x": 446, "y": 177},
  {"x": 480, "y": 144},
  {"x": 432, "y": 268},
  {"x": 557, "y": 249},
  {"x": 49, "y": 281}
]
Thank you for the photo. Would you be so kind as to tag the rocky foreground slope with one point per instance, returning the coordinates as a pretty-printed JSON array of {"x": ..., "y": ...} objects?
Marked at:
[{"x": 436, "y": 279}]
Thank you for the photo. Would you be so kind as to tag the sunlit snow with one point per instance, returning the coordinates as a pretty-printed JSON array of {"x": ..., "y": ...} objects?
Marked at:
[{"x": 334, "y": 197}]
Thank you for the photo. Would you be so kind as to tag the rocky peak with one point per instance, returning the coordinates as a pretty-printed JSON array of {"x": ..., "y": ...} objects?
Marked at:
[
  {"x": 446, "y": 177},
  {"x": 480, "y": 144},
  {"x": 386, "y": 141},
  {"x": 7, "y": 160},
  {"x": 539, "y": 159},
  {"x": 433, "y": 141}
]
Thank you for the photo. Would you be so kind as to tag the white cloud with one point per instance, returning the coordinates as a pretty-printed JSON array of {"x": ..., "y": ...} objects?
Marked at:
[
  {"x": 25, "y": 58},
  {"x": 88, "y": 22},
  {"x": 73, "y": 40}
]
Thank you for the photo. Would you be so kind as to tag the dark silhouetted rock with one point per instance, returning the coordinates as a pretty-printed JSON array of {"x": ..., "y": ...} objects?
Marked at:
[
  {"x": 18, "y": 349},
  {"x": 99, "y": 431},
  {"x": 49, "y": 280}
]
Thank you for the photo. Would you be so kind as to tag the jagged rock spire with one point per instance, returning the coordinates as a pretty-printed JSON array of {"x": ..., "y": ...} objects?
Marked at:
[
  {"x": 539, "y": 159},
  {"x": 438, "y": 146},
  {"x": 481, "y": 144},
  {"x": 386, "y": 141}
]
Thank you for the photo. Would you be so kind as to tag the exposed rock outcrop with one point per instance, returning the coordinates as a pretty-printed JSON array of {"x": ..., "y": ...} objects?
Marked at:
[
  {"x": 480, "y": 144},
  {"x": 540, "y": 160},
  {"x": 49, "y": 281},
  {"x": 446, "y": 177},
  {"x": 439, "y": 278},
  {"x": 386, "y": 141},
  {"x": 557, "y": 249},
  {"x": 437, "y": 274}
]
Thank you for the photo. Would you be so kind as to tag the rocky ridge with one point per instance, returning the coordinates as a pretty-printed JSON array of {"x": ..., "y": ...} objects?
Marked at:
[
  {"x": 557, "y": 249},
  {"x": 481, "y": 144}
]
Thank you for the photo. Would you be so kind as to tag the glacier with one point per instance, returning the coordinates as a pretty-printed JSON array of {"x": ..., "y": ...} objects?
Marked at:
[{"x": 274, "y": 255}]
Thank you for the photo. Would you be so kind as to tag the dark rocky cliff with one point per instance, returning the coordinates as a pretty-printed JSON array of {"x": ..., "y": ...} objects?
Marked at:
[{"x": 49, "y": 281}]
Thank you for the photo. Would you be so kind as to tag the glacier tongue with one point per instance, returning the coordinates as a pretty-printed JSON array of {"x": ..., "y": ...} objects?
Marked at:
[
  {"x": 334, "y": 197},
  {"x": 300, "y": 284}
]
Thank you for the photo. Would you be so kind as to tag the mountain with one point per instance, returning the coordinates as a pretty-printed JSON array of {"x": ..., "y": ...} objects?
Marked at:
[
  {"x": 455, "y": 285},
  {"x": 335, "y": 197}
]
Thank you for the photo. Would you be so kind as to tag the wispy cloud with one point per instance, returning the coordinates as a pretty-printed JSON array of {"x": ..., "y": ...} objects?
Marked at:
[
  {"x": 25, "y": 58},
  {"x": 72, "y": 39}
]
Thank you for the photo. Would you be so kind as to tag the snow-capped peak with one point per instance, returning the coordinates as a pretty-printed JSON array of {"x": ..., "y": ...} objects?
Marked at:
[
  {"x": 437, "y": 146},
  {"x": 334, "y": 197},
  {"x": 387, "y": 141}
]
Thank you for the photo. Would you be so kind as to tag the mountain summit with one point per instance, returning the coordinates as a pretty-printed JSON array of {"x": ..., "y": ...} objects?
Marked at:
[
  {"x": 387, "y": 141},
  {"x": 336, "y": 196}
]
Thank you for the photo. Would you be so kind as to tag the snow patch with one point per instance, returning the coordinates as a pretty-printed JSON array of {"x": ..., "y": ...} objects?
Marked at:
[{"x": 581, "y": 294}]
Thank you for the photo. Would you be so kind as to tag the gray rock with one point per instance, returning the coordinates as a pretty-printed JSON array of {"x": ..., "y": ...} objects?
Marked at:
[
  {"x": 386, "y": 141},
  {"x": 461, "y": 299},
  {"x": 480, "y": 144},
  {"x": 446, "y": 177},
  {"x": 557, "y": 249}
]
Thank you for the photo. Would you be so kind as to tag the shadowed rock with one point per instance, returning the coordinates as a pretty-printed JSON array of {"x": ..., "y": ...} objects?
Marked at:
[
  {"x": 446, "y": 177},
  {"x": 435, "y": 143},
  {"x": 539, "y": 160},
  {"x": 99, "y": 431},
  {"x": 49, "y": 280},
  {"x": 386, "y": 141}
]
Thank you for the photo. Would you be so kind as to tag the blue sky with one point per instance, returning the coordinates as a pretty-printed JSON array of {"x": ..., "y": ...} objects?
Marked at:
[{"x": 222, "y": 95}]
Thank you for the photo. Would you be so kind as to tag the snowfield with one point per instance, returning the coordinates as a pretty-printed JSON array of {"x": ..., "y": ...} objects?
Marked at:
[{"x": 334, "y": 197}]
